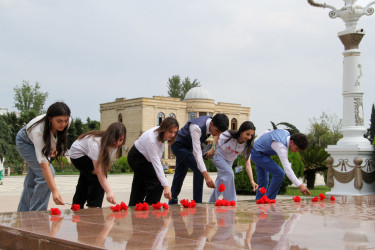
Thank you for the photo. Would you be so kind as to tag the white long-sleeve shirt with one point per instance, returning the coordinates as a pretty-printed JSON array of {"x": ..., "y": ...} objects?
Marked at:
[
  {"x": 152, "y": 149},
  {"x": 229, "y": 149},
  {"x": 88, "y": 145},
  {"x": 35, "y": 134},
  {"x": 196, "y": 134},
  {"x": 282, "y": 152}
]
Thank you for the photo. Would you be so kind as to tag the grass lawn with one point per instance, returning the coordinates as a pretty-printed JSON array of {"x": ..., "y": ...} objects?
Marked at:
[{"x": 294, "y": 191}]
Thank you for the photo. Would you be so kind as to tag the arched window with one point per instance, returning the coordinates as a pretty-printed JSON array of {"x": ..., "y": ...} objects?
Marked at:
[
  {"x": 192, "y": 115},
  {"x": 172, "y": 115},
  {"x": 160, "y": 118},
  {"x": 120, "y": 117},
  {"x": 233, "y": 124}
]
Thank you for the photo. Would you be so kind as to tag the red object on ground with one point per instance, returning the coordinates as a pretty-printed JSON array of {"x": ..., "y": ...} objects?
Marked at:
[
  {"x": 119, "y": 207},
  {"x": 76, "y": 207},
  {"x": 165, "y": 206},
  {"x": 116, "y": 208},
  {"x": 186, "y": 203},
  {"x": 139, "y": 207},
  {"x": 55, "y": 211},
  {"x": 145, "y": 206},
  {"x": 123, "y": 206},
  {"x": 262, "y": 190},
  {"x": 158, "y": 205},
  {"x": 315, "y": 199},
  {"x": 322, "y": 196},
  {"x": 265, "y": 200},
  {"x": 332, "y": 198},
  {"x": 297, "y": 199},
  {"x": 224, "y": 202},
  {"x": 221, "y": 187}
]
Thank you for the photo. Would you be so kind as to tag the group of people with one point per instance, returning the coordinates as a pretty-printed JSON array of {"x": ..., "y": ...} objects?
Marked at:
[{"x": 45, "y": 137}]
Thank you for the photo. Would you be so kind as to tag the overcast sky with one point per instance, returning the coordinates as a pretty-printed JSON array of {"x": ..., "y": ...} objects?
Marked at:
[{"x": 282, "y": 59}]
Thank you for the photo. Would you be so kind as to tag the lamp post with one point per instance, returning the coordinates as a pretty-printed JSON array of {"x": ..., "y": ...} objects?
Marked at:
[{"x": 351, "y": 169}]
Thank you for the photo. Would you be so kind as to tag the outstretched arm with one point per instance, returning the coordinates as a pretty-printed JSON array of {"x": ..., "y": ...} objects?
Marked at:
[
  {"x": 104, "y": 182},
  {"x": 249, "y": 171},
  {"x": 51, "y": 183}
]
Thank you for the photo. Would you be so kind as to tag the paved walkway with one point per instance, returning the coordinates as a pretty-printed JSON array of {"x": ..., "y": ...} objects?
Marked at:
[
  {"x": 10, "y": 191},
  {"x": 346, "y": 223}
]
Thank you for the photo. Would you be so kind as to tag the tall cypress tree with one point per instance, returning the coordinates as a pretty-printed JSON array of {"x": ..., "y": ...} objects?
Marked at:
[{"x": 370, "y": 133}]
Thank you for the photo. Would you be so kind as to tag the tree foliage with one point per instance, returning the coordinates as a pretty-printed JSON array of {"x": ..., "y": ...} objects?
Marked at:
[
  {"x": 370, "y": 133},
  {"x": 315, "y": 162},
  {"x": 178, "y": 88},
  {"x": 78, "y": 128},
  {"x": 28, "y": 97},
  {"x": 29, "y": 100},
  {"x": 287, "y": 126},
  {"x": 324, "y": 131},
  {"x": 7, "y": 143}
]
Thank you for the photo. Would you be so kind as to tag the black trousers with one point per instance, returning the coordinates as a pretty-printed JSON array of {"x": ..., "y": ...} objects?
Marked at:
[
  {"x": 146, "y": 186},
  {"x": 88, "y": 188}
]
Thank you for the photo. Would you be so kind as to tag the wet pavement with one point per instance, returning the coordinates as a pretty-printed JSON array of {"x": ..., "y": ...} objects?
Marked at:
[{"x": 346, "y": 223}]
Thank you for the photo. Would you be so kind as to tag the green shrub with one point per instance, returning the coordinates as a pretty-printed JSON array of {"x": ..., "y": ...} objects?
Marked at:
[
  {"x": 16, "y": 169},
  {"x": 121, "y": 166},
  {"x": 242, "y": 181},
  {"x": 210, "y": 165},
  {"x": 63, "y": 166}
]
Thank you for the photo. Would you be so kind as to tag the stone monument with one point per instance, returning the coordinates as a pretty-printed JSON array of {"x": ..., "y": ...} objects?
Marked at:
[{"x": 351, "y": 169}]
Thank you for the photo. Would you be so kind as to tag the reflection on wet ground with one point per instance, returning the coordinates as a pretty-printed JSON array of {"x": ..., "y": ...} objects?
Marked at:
[{"x": 346, "y": 223}]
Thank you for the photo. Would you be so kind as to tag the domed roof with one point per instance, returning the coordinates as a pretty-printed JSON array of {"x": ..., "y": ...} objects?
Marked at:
[{"x": 198, "y": 93}]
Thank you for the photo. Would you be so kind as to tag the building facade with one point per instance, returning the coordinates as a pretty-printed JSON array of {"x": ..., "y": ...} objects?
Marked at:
[{"x": 141, "y": 114}]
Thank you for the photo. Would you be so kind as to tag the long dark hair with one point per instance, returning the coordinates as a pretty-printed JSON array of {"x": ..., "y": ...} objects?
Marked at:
[
  {"x": 1, "y": 157},
  {"x": 249, "y": 144},
  {"x": 56, "y": 109},
  {"x": 108, "y": 138},
  {"x": 165, "y": 125}
]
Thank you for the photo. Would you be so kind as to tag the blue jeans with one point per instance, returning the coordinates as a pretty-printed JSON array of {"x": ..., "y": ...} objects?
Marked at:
[
  {"x": 184, "y": 160},
  {"x": 225, "y": 175},
  {"x": 36, "y": 193},
  {"x": 264, "y": 166}
]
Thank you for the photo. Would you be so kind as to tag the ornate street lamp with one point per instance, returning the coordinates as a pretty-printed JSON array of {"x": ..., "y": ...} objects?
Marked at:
[{"x": 351, "y": 169}]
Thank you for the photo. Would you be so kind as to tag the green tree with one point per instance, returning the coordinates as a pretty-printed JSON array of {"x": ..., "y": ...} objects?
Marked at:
[
  {"x": 78, "y": 128},
  {"x": 324, "y": 131},
  {"x": 370, "y": 133},
  {"x": 178, "y": 89},
  {"x": 7, "y": 144},
  {"x": 174, "y": 86},
  {"x": 29, "y": 97},
  {"x": 315, "y": 162},
  {"x": 92, "y": 124},
  {"x": 12, "y": 120},
  {"x": 187, "y": 85}
]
